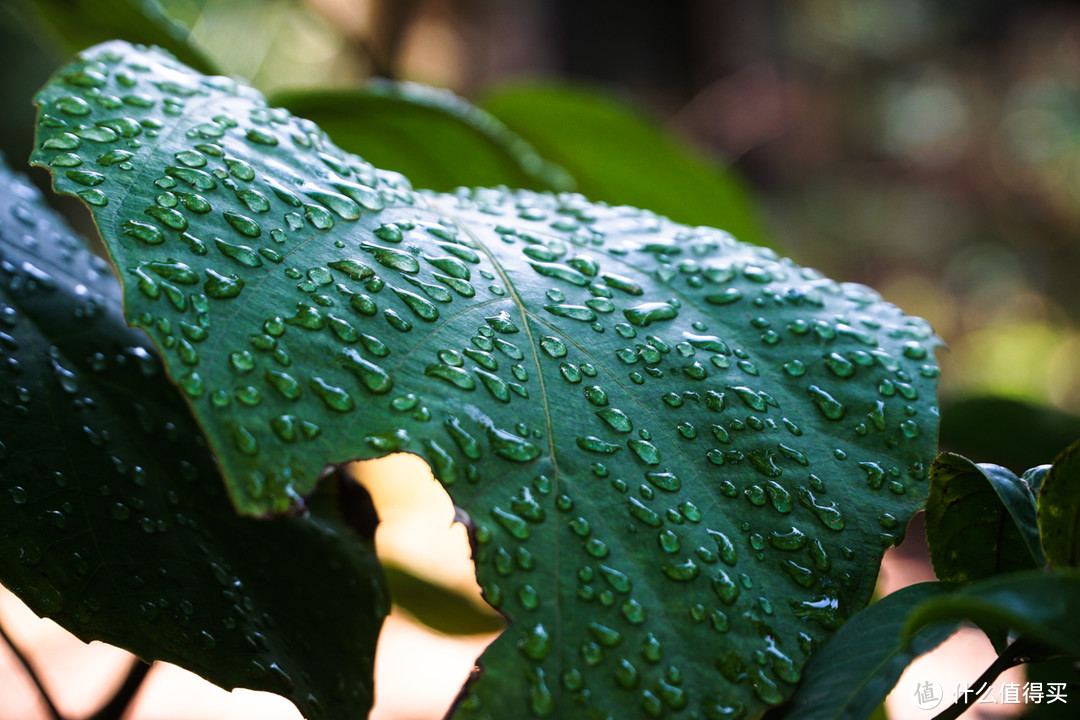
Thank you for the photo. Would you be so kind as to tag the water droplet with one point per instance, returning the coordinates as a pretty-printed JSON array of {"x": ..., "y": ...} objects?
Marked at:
[
  {"x": 334, "y": 397},
  {"x": 594, "y": 444},
  {"x": 553, "y": 346},
  {"x": 875, "y": 476},
  {"x": 393, "y": 258},
  {"x": 509, "y": 446},
  {"x": 535, "y": 643},
  {"x": 829, "y": 406},
  {"x": 645, "y": 451},
  {"x": 666, "y": 481},
  {"x": 596, "y": 395},
  {"x": 222, "y": 287},
  {"x": 616, "y": 419},
  {"x": 604, "y": 635},
  {"x": 373, "y": 377},
  {"x": 681, "y": 572},
  {"x": 423, "y": 309},
  {"x": 644, "y": 513},
  {"x": 243, "y": 224},
  {"x": 669, "y": 541},
  {"x": 240, "y": 253},
  {"x": 725, "y": 588},
  {"x": 623, "y": 284},
  {"x": 244, "y": 441}
]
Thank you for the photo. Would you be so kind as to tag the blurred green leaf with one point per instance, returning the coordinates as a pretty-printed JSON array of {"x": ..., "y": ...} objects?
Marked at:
[
  {"x": 444, "y": 609},
  {"x": 1059, "y": 509},
  {"x": 115, "y": 522},
  {"x": 853, "y": 672},
  {"x": 1006, "y": 432},
  {"x": 433, "y": 137},
  {"x": 1060, "y": 671},
  {"x": 620, "y": 158},
  {"x": 1037, "y": 605},
  {"x": 77, "y": 24},
  {"x": 980, "y": 520}
]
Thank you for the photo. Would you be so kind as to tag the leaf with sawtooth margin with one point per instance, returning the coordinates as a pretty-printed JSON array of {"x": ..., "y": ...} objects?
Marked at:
[
  {"x": 682, "y": 457},
  {"x": 1059, "y": 509},
  {"x": 980, "y": 520},
  {"x": 113, "y": 518}
]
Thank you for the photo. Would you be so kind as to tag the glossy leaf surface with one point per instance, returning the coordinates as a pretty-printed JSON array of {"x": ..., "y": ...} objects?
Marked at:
[
  {"x": 682, "y": 457},
  {"x": 980, "y": 520},
  {"x": 113, "y": 518},
  {"x": 857, "y": 667},
  {"x": 1040, "y": 606},
  {"x": 616, "y": 156},
  {"x": 1059, "y": 509},
  {"x": 431, "y": 136}
]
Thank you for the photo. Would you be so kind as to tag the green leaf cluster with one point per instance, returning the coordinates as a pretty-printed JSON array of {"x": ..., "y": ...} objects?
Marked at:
[{"x": 1005, "y": 551}]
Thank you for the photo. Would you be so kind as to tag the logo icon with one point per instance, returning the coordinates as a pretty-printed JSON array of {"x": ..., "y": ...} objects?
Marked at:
[{"x": 927, "y": 694}]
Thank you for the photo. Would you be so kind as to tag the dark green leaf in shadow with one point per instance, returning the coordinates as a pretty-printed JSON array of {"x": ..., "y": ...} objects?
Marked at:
[
  {"x": 113, "y": 518},
  {"x": 618, "y": 157},
  {"x": 857, "y": 667},
  {"x": 980, "y": 520},
  {"x": 77, "y": 24},
  {"x": 431, "y": 136},
  {"x": 1005, "y": 431},
  {"x": 1036, "y": 605},
  {"x": 1061, "y": 672},
  {"x": 1059, "y": 509},
  {"x": 444, "y": 609},
  {"x": 673, "y": 450}
]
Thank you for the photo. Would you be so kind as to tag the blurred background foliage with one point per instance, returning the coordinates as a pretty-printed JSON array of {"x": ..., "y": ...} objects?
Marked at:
[{"x": 930, "y": 149}]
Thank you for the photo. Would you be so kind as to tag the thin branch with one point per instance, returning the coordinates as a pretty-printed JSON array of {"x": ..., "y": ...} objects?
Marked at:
[
  {"x": 1017, "y": 653},
  {"x": 54, "y": 714},
  {"x": 120, "y": 702}
]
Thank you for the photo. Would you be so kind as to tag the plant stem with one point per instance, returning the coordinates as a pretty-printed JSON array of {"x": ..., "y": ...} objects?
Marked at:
[
  {"x": 50, "y": 707},
  {"x": 120, "y": 702},
  {"x": 1014, "y": 655}
]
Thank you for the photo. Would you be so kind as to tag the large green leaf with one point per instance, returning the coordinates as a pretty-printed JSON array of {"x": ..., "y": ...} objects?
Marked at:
[
  {"x": 75, "y": 24},
  {"x": 980, "y": 520},
  {"x": 1040, "y": 606},
  {"x": 850, "y": 677},
  {"x": 681, "y": 457},
  {"x": 113, "y": 518},
  {"x": 1059, "y": 509},
  {"x": 618, "y": 157},
  {"x": 431, "y": 136}
]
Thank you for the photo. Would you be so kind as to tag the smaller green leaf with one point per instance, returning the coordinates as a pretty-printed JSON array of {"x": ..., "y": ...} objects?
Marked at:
[
  {"x": 1037, "y": 605},
  {"x": 618, "y": 157},
  {"x": 114, "y": 521},
  {"x": 1059, "y": 509},
  {"x": 857, "y": 667},
  {"x": 980, "y": 520},
  {"x": 77, "y": 24},
  {"x": 441, "y": 608},
  {"x": 432, "y": 136}
]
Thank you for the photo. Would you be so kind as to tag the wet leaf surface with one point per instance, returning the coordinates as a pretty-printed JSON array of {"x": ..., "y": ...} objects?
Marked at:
[{"x": 681, "y": 457}]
